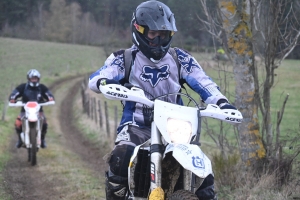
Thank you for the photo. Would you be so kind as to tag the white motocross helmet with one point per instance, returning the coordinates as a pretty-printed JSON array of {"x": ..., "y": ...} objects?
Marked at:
[{"x": 33, "y": 73}]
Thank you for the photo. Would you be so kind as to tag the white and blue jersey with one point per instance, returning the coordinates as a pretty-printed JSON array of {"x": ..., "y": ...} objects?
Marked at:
[{"x": 156, "y": 80}]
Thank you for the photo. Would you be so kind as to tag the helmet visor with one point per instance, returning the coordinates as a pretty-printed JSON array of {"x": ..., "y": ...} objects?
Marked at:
[
  {"x": 158, "y": 38},
  {"x": 155, "y": 37}
]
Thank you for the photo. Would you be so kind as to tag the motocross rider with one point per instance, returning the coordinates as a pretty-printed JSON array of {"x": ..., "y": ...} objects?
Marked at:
[
  {"x": 33, "y": 90},
  {"x": 155, "y": 71}
]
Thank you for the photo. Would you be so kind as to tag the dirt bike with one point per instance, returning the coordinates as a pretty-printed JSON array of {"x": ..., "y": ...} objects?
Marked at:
[
  {"x": 32, "y": 124},
  {"x": 170, "y": 165}
]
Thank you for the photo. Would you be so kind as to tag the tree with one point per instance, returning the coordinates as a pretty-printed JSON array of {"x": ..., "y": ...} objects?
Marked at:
[
  {"x": 61, "y": 26},
  {"x": 237, "y": 27},
  {"x": 246, "y": 27},
  {"x": 13, "y": 12}
]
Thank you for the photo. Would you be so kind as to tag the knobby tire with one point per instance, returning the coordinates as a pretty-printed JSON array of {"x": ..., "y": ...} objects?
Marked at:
[{"x": 33, "y": 135}]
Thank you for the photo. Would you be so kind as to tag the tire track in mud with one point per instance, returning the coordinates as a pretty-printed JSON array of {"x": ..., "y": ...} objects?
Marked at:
[
  {"x": 23, "y": 181},
  {"x": 89, "y": 153}
]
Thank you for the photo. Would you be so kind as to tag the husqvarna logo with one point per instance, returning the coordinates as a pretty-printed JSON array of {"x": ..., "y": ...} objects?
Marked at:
[
  {"x": 198, "y": 162},
  {"x": 153, "y": 75}
]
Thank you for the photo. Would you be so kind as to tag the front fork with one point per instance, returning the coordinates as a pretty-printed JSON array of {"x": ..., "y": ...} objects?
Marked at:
[
  {"x": 156, "y": 157},
  {"x": 26, "y": 128}
]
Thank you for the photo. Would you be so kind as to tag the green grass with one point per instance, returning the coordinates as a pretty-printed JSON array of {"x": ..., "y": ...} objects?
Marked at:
[
  {"x": 52, "y": 60},
  {"x": 6, "y": 130}
]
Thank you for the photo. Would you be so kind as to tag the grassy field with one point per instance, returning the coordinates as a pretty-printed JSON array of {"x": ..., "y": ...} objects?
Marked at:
[{"x": 55, "y": 60}]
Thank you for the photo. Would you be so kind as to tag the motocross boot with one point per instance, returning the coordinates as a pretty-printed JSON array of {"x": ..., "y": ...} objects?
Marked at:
[
  {"x": 43, "y": 140},
  {"x": 206, "y": 191},
  {"x": 19, "y": 143},
  {"x": 43, "y": 143},
  {"x": 115, "y": 187}
]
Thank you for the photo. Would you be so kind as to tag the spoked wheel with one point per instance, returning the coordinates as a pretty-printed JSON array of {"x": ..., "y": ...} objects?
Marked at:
[
  {"x": 183, "y": 195},
  {"x": 32, "y": 151}
]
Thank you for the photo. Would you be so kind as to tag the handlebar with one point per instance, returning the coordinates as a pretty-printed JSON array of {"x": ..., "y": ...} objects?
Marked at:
[
  {"x": 20, "y": 103},
  {"x": 119, "y": 92}
]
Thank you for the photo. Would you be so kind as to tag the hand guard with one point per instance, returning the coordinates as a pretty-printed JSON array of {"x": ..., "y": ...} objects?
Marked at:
[{"x": 105, "y": 81}]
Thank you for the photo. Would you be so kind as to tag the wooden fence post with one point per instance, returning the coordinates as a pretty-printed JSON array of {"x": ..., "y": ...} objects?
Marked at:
[
  {"x": 100, "y": 114},
  {"x": 95, "y": 110},
  {"x": 5, "y": 106},
  {"x": 87, "y": 107},
  {"x": 83, "y": 97},
  {"x": 107, "y": 119},
  {"x": 92, "y": 108}
]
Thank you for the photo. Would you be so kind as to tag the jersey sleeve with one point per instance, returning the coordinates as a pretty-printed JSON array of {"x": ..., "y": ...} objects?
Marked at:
[
  {"x": 113, "y": 69},
  {"x": 46, "y": 93},
  {"x": 17, "y": 92},
  {"x": 196, "y": 78}
]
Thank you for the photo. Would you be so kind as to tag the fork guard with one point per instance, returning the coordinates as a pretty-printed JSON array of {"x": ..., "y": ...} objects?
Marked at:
[{"x": 191, "y": 158}]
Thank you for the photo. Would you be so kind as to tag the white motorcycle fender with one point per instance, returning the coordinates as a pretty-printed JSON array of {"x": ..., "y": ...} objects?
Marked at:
[
  {"x": 27, "y": 143},
  {"x": 191, "y": 158}
]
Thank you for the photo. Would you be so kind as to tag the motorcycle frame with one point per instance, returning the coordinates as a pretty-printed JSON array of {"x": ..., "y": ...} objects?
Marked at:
[{"x": 26, "y": 126}]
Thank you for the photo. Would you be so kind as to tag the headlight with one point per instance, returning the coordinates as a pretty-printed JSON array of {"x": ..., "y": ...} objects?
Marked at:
[{"x": 179, "y": 131}]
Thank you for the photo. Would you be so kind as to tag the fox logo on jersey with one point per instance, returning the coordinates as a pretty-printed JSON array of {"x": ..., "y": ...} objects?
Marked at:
[
  {"x": 187, "y": 62},
  {"x": 118, "y": 61},
  {"x": 153, "y": 75}
]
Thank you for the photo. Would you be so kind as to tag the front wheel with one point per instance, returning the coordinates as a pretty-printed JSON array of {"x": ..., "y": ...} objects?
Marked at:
[
  {"x": 33, "y": 149},
  {"x": 183, "y": 195}
]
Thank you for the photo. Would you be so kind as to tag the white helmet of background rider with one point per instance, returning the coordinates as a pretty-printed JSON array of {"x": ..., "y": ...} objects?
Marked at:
[
  {"x": 33, "y": 73},
  {"x": 153, "y": 15}
]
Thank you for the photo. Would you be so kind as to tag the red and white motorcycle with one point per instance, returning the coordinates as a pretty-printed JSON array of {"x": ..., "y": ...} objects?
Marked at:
[
  {"x": 32, "y": 124},
  {"x": 170, "y": 165}
]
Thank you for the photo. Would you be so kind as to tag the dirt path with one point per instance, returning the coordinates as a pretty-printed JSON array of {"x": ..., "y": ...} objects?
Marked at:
[
  {"x": 47, "y": 180},
  {"x": 90, "y": 154}
]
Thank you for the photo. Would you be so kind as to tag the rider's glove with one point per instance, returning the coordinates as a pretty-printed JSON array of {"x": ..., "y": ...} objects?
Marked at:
[
  {"x": 105, "y": 81},
  {"x": 224, "y": 104}
]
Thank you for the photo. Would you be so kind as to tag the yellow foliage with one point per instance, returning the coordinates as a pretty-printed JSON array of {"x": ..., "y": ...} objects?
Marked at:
[
  {"x": 242, "y": 29},
  {"x": 229, "y": 6}
]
